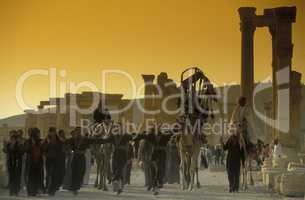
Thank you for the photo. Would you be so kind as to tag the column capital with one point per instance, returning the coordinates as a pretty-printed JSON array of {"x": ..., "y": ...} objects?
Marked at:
[
  {"x": 247, "y": 16},
  {"x": 148, "y": 78},
  {"x": 246, "y": 13},
  {"x": 285, "y": 14}
]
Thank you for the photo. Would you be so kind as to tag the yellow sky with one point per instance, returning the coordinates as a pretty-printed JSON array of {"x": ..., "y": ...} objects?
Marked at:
[{"x": 84, "y": 37}]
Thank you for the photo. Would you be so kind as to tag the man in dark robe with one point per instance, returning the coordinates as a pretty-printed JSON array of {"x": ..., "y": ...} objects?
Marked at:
[
  {"x": 22, "y": 140},
  {"x": 53, "y": 149},
  {"x": 235, "y": 157},
  {"x": 173, "y": 163},
  {"x": 145, "y": 151},
  {"x": 34, "y": 163},
  {"x": 62, "y": 157},
  {"x": 128, "y": 166},
  {"x": 67, "y": 181},
  {"x": 78, "y": 145},
  {"x": 15, "y": 150}
]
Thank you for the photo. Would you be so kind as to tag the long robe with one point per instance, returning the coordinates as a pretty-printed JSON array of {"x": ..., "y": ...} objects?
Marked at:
[
  {"x": 244, "y": 121},
  {"x": 145, "y": 151},
  {"x": 173, "y": 161},
  {"x": 88, "y": 167},
  {"x": 15, "y": 154},
  {"x": 67, "y": 180},
  {"x": 235, "y": 156},
  {"x": 34, "y": 168},
  {"x": 53, "y": 152},
  {"x": 78, "y": 161}
]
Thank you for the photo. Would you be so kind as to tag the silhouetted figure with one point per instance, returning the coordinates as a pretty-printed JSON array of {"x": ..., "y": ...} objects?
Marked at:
[
  {"x": 128, "y": 165},
  {"x": 23, "y": 140},
  {"x": 173, "y": 161},
  {"x": 119, "y": 157},
  {"x": 235, "y": 156},
  {"x": 15, "y": 150},
  {"x": 67, "y": 182},
  {"x": 62, "y": 157},
  {"x": 34, "y": 163},
  {"x": 100, "y": 114},
  {"x": 53, "y": 149},
  {"x": 145, "y": 151},
  {"x": 78, "y": 145},
  {"x": 158, "y": 159}
]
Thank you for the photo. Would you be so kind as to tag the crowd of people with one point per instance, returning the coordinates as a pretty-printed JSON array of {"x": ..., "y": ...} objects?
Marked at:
[
  {"x": 40, "y": 164},
  {"x": 45, "y": 165},
  {"x": 212, "y": 156}
]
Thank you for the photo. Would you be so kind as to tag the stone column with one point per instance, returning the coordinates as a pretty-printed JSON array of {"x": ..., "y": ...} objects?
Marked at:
[
  {"x": 295, "y": 107},
  {"x": 148, "y": 92},
  {"x": 268, "y": 129},
  {"x": 284, "y": 17},
  {"x": 247, "y": 27},
  {"x": 272, "y": 30}
]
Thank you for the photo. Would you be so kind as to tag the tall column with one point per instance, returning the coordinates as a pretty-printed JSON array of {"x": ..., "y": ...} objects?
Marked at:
[
  {"x": 272, "y": 30},
  {"x": 148, "y": 99},
  {"x": 285, "y": 16},
  {"x": 247, "y": 27}
]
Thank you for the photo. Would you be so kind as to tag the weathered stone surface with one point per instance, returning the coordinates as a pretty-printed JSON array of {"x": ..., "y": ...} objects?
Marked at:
[{"x": 292, "y": 184}]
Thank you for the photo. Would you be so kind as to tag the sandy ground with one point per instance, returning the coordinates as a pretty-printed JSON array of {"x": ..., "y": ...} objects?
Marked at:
[{"x": 214, "y": 186}]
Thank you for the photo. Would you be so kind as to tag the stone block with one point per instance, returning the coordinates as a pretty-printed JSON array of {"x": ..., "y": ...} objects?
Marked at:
[
  {"x": 270, "y": 177},
  {"x": 292, "y": 184}
]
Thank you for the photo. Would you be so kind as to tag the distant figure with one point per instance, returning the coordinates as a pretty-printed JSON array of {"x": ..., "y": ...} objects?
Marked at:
[
  {"x": 217, "y": 156},
  {"x": 266, "y": 152},
  {"x": 88, "y": 166},
  {"x": 222, "y": 157},
  {"x": 209, "y": 155},
  {"x": 277, "y": 150},
  {"x": 101, "y": 115},
  {"x": 204, "y": 162}
]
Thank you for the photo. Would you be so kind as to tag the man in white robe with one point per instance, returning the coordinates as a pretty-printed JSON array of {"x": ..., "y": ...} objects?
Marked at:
[{"x": 243, "y": 121}]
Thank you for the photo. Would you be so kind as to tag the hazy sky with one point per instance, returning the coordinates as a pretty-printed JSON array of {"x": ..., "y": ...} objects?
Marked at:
[{"x": 85, "y": 37}]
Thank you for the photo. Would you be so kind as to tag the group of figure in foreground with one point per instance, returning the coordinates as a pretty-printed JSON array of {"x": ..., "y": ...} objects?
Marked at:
[{"x": 51, "y": 155}]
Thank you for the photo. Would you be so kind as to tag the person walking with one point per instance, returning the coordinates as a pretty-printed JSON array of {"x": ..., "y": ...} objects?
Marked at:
[
  {"x": 34, "y": 163},
  {"x": 15, "y": 150},
  {"x": 235, "y": 157},
  {"x": 53, "y": 148}
]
